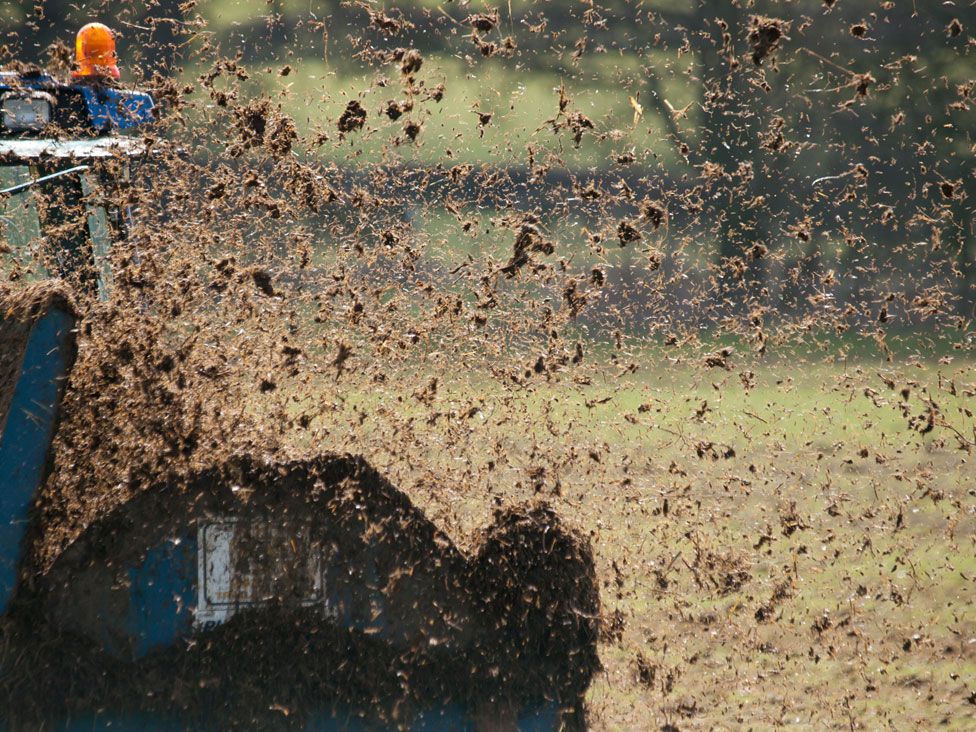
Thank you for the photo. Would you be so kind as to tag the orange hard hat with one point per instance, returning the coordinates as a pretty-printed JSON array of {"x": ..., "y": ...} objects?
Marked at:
[{"x": 95, "y": 52}]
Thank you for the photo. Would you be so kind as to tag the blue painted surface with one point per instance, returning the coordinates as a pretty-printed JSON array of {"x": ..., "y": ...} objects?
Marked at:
[
  {"x": 108, "y": 108},
  {"x": 543, "y": 718},
  {"x": 120, "y": 723},
  {"x": 354, "y": 608},
  {"x": 440, "y": 719},
  {"x": 162, "y": 595},
  {"x": 443, "y": 719},
  {"x": 338, "y": 721},
  {"x": 28, "y": 432},
  {"x": 116, "y": 109}
]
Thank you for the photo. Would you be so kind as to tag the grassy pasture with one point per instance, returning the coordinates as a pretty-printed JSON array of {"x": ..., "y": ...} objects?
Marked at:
[{"x": 776, "y": 544}]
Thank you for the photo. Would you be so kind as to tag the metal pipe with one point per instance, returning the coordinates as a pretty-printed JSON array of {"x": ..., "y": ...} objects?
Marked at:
[{"x": 44, "y": 179}]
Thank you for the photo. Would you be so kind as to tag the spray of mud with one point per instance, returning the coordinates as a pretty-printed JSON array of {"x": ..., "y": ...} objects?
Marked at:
[
  {"x": 464, "y": 631},
  {"x": 701, "y": 279},
  {"x": 21, "y": 310}
]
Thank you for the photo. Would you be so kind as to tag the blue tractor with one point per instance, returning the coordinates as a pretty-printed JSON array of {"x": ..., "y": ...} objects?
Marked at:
[{"x": 325, "y": 600}]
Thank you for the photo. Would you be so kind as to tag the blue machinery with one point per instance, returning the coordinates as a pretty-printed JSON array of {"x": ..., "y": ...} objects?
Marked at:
[
  {"x": 27, "y": 433},
  {"x": 106, "y": 110},
  {"x": 177, "y": 568},
  {"x": 178, "y": 565}
]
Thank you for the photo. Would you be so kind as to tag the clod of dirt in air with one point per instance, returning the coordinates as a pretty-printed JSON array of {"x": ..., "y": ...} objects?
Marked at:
[
  {"x": 578, "y": 123},
  {"x": 353, "y": 117},
  {"x": 60, "y": 56},
  {"x": 343, "y": 353},
  {"x": 410, "y": 61},
  {"x": 483, "y": 22},
  {"x": 646, "y": 670},
  {"x": 655, "y": 212},
  {"x": 861, "y": 83},
  {"x": 528, "y": 239},
  {"x": 655, "y": 257},
  {"x": 388, "y": 23},
  {"x": 775, "y": 140},
  {"x": 396, "y": 109},
  {"x": 252, "y": 122},
  {"x": 412, "y": 129},
  {"x": 262, "y": 280},
  {"x": 714, "y": 451},
  {"x": 721, "y": 358},
  {"x": 627, "y": 233},
  {"x": 612, "y": 629},
  {"x": 783, "y": 591},
  {"x": 765, "y": 35},
  {"x": 790, "y": 520},
  {"x": 954, "y": 29},
  {"x": 261, "y": 124}
]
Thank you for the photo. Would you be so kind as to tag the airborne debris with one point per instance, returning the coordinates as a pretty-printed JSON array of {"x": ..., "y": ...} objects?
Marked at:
[
  {"x": 646, "y": 260},
  {"x": 627, "y": 233},
  {"x": 483, "y": 22},
  {"x": 410, "y": 61},
  {"x": 353, "y": 118},
  {"x": 262, "y": 280},
  {"x": 765, "y": 35},
  {"x": 720, "y": 358},
  {"x": 388, "y": 23}
]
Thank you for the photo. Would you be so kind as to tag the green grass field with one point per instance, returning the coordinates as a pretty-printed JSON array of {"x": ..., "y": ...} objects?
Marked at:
[{"x": 776, "y": 549}]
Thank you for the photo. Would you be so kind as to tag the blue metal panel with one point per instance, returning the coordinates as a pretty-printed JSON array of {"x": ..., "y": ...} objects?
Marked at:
[
  {"x": 108, "y": 108},
  {"x": 338, "y": 721},
  {"x": 451, "y": 718},
  {"x": 26, "y": 437},
  {"x": 162, "y": 595},
  {"x": 142, "y": 721},
  {"x": 115, "y": 108},
  {"x": 358, "y": 606},
  {"x": 443, "y": 719},
  {"x": 542, "y": 718}
]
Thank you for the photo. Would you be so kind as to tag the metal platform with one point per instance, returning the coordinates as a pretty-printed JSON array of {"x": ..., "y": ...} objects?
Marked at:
[{"x": 25, "y": 150}]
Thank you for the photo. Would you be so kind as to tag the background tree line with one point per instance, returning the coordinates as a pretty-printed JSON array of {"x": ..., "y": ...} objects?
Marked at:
[{"x": 846, "y": 121}]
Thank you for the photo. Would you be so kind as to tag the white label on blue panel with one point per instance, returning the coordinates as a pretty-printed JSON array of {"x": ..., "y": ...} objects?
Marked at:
[{"x": 244, "y": 565}]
